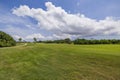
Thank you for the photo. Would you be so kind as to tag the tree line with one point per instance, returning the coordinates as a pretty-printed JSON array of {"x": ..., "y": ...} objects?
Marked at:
[
  {"x": 93, "y": 41},
  {"x": 79, "y": 41},
  {"x": 85, "y": 41}
]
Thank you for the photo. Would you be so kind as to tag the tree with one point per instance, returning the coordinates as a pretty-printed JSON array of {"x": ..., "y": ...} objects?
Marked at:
[
  {"x": 35, "y": 39},
  {"x": 6, "y": 40},
  {"x": 67, "y": 40},
  {"x": 20, "y": 39}
]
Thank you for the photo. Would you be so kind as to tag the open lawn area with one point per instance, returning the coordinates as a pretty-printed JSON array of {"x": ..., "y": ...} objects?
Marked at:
[{"x": 35, "y": 61}]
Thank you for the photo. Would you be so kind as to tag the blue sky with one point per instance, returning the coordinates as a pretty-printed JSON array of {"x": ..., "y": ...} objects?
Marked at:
[
  {"x": 92, "y": 8},
  {"x": 29, "y": 26}
]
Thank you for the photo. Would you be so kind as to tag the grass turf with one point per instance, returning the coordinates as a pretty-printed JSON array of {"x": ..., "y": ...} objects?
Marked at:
[{"x": 60, "y": 62}]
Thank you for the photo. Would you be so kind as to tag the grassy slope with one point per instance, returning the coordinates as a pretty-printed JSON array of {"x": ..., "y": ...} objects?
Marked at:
[{"x": 60, "y": 62}]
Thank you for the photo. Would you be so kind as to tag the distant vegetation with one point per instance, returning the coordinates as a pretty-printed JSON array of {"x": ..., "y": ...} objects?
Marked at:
[
  {"x": 83, "y": 41},
  {"x": 102, "y": 41},
  {"x": 6, "y": 40},
  {"x": 67, "y": 40}
]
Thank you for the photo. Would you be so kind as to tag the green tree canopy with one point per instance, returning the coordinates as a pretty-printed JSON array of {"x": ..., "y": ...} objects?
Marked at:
[
  {"x": 35, "y": 39},
  {"x": 20, "y": 39},
  {"x": 6, "y": 40}
]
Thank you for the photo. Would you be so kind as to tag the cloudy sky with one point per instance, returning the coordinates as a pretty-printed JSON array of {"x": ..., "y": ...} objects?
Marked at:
[{"x": 60, "y": 19}]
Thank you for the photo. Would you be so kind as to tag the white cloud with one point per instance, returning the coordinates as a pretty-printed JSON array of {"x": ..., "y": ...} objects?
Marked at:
[
  {"x": 61, "y": 36},
  {"x": 39, "y": 36},
  {"x": 16, "y": 37},
  {"x": 36, "y": 35},
  {"x": 42, "y": 37},
  {"x": 61, "y": 23}
]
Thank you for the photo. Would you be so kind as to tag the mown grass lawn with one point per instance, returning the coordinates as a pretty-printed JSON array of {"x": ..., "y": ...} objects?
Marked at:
[{"x": 60, "y": 62}]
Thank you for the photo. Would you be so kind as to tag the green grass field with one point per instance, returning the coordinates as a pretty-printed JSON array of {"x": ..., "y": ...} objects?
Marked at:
[{"x": 60, "y": 62}]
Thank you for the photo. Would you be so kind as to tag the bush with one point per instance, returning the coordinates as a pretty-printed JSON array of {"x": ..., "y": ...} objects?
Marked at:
[{"x": 6, "y": 40}]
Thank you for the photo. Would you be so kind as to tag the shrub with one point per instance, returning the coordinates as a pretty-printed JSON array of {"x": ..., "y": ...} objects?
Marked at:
[{"x": 6, "y": 40}]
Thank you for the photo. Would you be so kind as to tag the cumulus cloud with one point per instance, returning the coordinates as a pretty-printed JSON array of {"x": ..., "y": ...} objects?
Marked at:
[
  {"x": 42, "y": 37},
  {"x": 36, "y": 35},
  {"x": 16, "y": 37},
  {"x": 64, "y": 24},
  {"x": 39, "y": 36}
]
